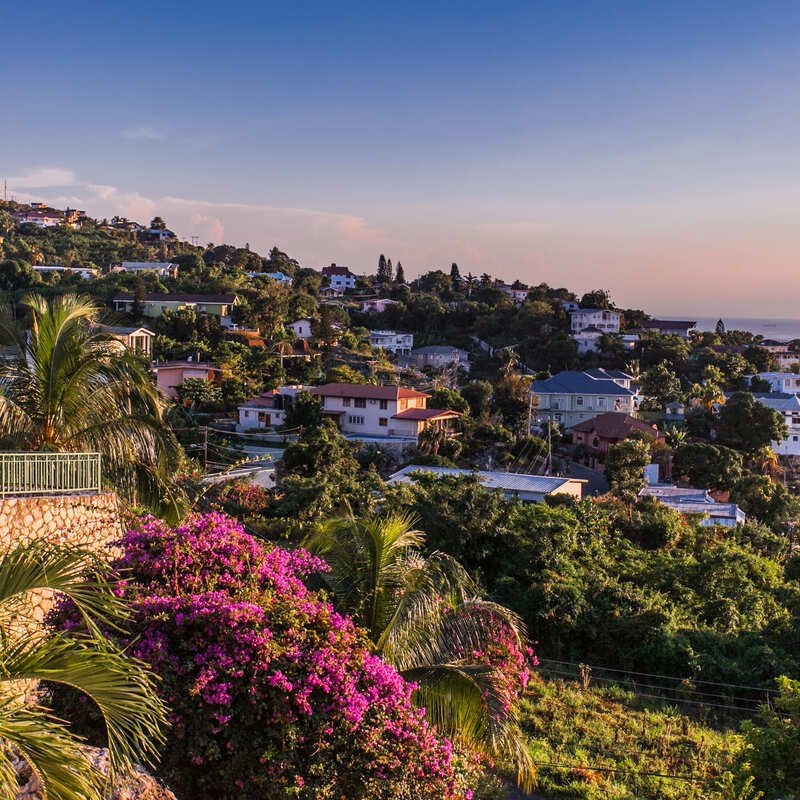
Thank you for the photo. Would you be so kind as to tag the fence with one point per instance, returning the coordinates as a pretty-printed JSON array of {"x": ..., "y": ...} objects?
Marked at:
[{"x": 49, "y": 473}]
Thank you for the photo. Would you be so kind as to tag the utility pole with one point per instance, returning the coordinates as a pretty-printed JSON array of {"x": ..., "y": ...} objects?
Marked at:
[
  {"x": 549, "y": 448},
  {"x": 205, "y": 448}
]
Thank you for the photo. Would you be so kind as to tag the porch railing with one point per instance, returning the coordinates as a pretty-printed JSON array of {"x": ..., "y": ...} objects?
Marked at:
[{"x": 49, "y": 473}]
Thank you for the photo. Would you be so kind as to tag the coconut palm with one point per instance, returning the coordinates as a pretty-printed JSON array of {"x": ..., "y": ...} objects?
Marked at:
[
  {"x": 73, "y": 388},
  {"x": 424, "y": 616},
  {"x": 121, "y": 688}
]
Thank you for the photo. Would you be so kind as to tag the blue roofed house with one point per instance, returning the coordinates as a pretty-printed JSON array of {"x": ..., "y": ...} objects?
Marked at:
[{"x": 571, "y": 397}]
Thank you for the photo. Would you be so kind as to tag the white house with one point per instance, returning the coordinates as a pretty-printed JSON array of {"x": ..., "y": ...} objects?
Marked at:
[
  {"x": 87, "y": 273},
  {"x": 572, "y": 397},
  {"x": 42, "y": 217},
  {"x": 369, "y": 412},
  {"x": 340, "y": 278},
  {"x": 136, "y": 339},
  {"x": 394, "y": 342},
  {"x": 782, "y": 381},
  {"x": 603, "y": 319},
  {"x": 588, "y": 340},
  {"x": 164, "y": 269},
  {"x": 517, "y": 295},
  {"x": 696, "y": 501},
  {"x": 789, "y": 406},
  {"x": 437, "y": 357},
  {"x": 268, "y": 410},
  {"x": 528, "y": 488},
  {"x": 376, "y": 305},
  {"x": 278, "y": 277},
  {"x": 301, "y": 328},
  {"x": 668, "y": 327}
]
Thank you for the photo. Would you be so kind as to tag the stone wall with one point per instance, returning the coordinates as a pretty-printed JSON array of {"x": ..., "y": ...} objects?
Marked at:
[{"x": 90, "y": 521}]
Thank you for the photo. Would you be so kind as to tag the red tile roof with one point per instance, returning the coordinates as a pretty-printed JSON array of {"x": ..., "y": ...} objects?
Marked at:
[
  {"x": 615, "y": 426},
  {"x": 366, "y": 390}
]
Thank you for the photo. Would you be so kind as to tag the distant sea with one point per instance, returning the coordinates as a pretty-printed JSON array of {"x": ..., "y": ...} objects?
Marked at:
[{"x": 781, "y": 329}]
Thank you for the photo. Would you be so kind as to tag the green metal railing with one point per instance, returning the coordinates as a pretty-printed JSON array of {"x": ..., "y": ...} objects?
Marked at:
[{"x": 49, "y": 473}]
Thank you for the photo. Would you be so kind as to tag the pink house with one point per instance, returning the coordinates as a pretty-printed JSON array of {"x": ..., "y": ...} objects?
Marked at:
[{"x": 174, "y": 373}]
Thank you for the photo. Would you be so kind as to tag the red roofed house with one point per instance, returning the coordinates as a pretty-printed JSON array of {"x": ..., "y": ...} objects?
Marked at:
[
  {"x": 340, "y": 277},
  {"x": 599, "y": 433},
  {"x": 382, "y": 411}
]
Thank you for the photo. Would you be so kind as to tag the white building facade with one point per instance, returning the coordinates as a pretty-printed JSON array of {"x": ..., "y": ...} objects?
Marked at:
[
  {"x": 603, "y": 319},
  {"x": 392, "y": 341}
]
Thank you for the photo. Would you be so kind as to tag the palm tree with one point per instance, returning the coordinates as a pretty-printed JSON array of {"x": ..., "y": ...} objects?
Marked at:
[
  {"x": 74, "y": 388},
  {"x": 423, "y": 615},
  {"x": 121, "y": 688}
]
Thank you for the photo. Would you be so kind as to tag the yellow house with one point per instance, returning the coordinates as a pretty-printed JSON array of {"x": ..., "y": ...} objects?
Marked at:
[{"x": 154, "y": 305}]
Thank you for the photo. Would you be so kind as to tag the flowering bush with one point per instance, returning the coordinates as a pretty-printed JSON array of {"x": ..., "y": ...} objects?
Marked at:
[
  {"x": 242, "y": 499},
  {"x": 273, "y": 694}
]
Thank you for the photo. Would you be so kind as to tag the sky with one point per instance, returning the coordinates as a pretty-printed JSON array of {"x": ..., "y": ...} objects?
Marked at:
[{"x": 648, "y": 148}]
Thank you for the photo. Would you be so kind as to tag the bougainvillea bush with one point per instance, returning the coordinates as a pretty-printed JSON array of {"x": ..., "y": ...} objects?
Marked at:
[{"x": 272, "y": 693}]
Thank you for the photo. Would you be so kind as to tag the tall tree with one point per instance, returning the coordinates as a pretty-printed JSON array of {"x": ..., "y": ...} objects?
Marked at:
[
  {"x": 73, "y": 388},
  {"x": 455, "y": 275},
  {"x": 158, "y": 224},
  {"x": 625, "y": 465},
  {"x": 423, "y": 615},
  {"x": 399, "y": 275},
  {"x": 383, "y": 274},
  {"x": 122, "y": 691},
  {"x": 745, "y": 424},
  {"x": 389, "y": 271},
  {"x": 720, "y": 328}
]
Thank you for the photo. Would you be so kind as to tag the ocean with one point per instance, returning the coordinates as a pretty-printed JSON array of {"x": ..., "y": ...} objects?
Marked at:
[{"x": 780, "y": 329}]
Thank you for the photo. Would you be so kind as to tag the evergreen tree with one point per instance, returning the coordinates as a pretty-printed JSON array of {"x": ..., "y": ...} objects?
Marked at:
[
  {"x": 389, "y": 270},
  {"x": 720, "y": 328},
  {"x": 455, "y": 275},
  {"x": 399, "y": 275},
  {"x": 384, "y": 274}
]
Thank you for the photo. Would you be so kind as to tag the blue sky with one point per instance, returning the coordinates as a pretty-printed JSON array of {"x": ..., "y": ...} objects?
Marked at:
[{"x": 650, "y": 148}]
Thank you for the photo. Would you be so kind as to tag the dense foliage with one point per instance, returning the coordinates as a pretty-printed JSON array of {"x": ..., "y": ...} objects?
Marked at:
[{"x": 272, "y": 693}]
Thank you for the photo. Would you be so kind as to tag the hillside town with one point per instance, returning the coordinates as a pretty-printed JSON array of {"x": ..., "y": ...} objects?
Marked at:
[{"x": 253, "y": 403}]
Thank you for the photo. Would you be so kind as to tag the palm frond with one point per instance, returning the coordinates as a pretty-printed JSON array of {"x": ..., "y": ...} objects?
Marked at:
[
  {"x": 50, "y": 749},
  {"x": 120, "y": 687}
]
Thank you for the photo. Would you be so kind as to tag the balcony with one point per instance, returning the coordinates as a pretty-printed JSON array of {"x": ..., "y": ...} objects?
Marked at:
[{"x": 28, "y": 474}]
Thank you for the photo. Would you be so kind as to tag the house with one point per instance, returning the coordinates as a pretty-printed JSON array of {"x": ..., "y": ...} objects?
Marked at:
[
  {"x": 365, "y": 411},
  {"x": 437, "y": 357},
  {"x": 675, "y": 412},
  {"x": 40, "y": 216},
  {"x": 268, "y": 410},
  {"x": 159, "y": 235},
  {"x": 250, "y": 337},
  {"x": 301, "y": 328},
  {"x": 340, "y": 278},
  {"x": 528, "y": 488},
  {"x": 616, "y": 375},
  {"x": 787, "y": 382},
  {"x": 788, "y": 405},
  {"x": 173, "y": 373},
  {"x": 377, "y": 305},
  {"x": 517, "y": 295},
  {"x": 137, "y": 340},
  {"x": 278, "y": 277},
  {"x": 668, "y": 327},
  {"x": 781, "y": 352},
  {"x": 603, "y": 319},
  {"x": 164, "y": 269},
  {"x": 600, "y": 432},
  {"x": 571, "y": 397},
  {"x": 696, "y": 501},
  {"x": 87, "y": 273},
  {"x": 394, "y": 342},
  {"x": 588, "y": 340},
  {"x": 154, "y": 305}
]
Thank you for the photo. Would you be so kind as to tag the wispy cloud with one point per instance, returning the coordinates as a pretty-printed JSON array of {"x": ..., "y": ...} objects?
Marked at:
[
  {"x": 144, "y": 133},
  {"x": 43, "y": 178}
]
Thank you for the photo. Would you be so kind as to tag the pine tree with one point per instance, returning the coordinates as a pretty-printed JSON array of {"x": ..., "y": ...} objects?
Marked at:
[
  {"x": 399, "y": 275},
  {"x": 381, "y": 275},
  {"x": 389, "y": 270},
  {"x": 455, "y": 275},
  {"x": 720, "y": 328}
]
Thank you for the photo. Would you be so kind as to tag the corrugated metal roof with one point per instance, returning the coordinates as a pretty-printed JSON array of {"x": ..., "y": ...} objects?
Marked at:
[
  {"x": 505, "y": 481},
  {"x": 573, "y": 382}
]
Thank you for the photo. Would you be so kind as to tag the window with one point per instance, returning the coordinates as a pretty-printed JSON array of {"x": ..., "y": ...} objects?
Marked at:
[
  {"x": 360, "y": 402},
  {"x": 579, "y": 401},
  {"x": 384, "y": 405},
  {"x": 383, "y": 422},
  {"x": 402, "y": 405},
  {"x": 346, "y": 402},
  {"x": 246, "y": 414},
  {"x": 355, "y": 420},
  {"x": 601, "y": 402}
]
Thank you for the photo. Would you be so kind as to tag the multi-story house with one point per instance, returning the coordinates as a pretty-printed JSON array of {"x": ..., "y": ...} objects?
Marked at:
[
  {"x": 268, "y": 410},
  {"x": 164, "y": 269},
  {"x": 340, "y": 278},
  {"x": 572, "y": 397},
  {"x": 787, "y": 405},
  {"x": 517, "y": 295},
  {"x": 41, "y": 217},
  {"x": 154, "y": 305},
  {"x": 787, "y": 382},
  {"x": 437, "y": 357},
  {"x": 781, "y": 352},
  {"x": 368, "y": 412},
  {"x": 603, "y": 319},
  {"x": 394, "y": 342},
  {"x": 588, "y": 340}
]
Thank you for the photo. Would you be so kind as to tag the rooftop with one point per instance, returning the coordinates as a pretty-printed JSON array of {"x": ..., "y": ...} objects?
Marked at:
[
  {"x": 573, "y": 382},
  {"x": 156, "y": 297},
  {"x": 506, "y": 481},
  {"x": 426, "y": 414},
  {"x": 616, "y": 426},
  {"x": 366, "y": 390}
]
